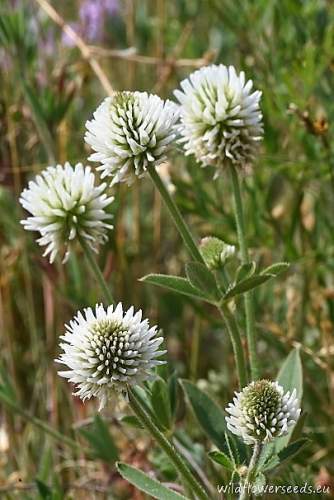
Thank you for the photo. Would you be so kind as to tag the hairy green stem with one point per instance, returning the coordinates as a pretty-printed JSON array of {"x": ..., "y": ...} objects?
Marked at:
[
  {"x": 97, "y": 271},
  {"x": 248, "y": 297},
  {"x": 184, "y": 231},
  {"x": 251, "y": 470},
  {"x": 179, "y": 463},
  {"x": 176, "y": 215},
  {"x": 238, "y": 351}
]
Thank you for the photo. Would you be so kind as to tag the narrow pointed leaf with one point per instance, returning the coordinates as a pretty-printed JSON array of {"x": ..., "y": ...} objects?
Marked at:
[
  {"x": 202, "y": 278},
  {"x": 160, "y": 403},
  {"x": 276, "y": 269},
  {"x": 210, "y": 417},
  {"x": 101, "y": 440},
  {"x": 146, "y": 483},
  {"x": 290, "y": 377},
  {"x": 292, "y": 450},
  {"x": 246, "y": 285},
  {"x": 176, "y": 284},
  {"x": 220, "y": 458}
]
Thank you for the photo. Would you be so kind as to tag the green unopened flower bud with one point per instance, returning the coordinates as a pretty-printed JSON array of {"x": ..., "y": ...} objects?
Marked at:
[{"x": 215, "y": 252}]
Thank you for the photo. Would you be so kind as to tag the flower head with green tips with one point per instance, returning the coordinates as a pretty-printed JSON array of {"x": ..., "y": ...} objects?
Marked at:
[
  {"x": 262, "y": 412},
  {"x": 221, "y": 121},
  {"x": 65, "y": 203},
  {"x": 130, "y": 131},
  {"x": 107, "y": 350}
]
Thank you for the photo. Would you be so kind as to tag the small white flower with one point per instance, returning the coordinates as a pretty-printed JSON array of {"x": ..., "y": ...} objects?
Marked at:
[
  {"x": 262, "y": 412},
  {"x": 129, "y": 132},
  {"x": 220, "y": 117},
  {"x": 108, "y": 350},
  {"x": 65, "y": 203}
]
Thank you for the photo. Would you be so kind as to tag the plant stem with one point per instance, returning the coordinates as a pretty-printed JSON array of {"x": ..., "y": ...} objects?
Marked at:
[
  {"x": 248, "y": 297},
  {"x": 176, "y": 215},
  {"x": 251, "y": 469},
  {"x": 234, "y": 333},
  {"x": 195, "y": 253},
  {"x": 97, "y": 271},
  {"x": 166, "y": 446}
]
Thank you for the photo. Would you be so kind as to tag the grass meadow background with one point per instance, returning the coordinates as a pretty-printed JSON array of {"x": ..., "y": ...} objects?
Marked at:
[{"x": 49, "y": 86}]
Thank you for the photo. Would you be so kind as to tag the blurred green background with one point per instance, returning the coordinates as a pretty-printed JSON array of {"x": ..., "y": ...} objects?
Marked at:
[{"x": 49, "y": 86}]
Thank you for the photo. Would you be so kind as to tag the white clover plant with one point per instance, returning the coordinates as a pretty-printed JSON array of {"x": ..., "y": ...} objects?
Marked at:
[{"x": 109, "y": 349}]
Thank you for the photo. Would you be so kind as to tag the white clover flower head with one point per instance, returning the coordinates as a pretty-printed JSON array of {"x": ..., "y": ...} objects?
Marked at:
[
  {"x": 129, "y": 132},
  {"x": 221, "y": 121},
  {"x": 65, "y": 203},
  {"x": 216, "y": 252},
  {"x": 108, "y": 350},
  {"x": 262, "y": 412}
]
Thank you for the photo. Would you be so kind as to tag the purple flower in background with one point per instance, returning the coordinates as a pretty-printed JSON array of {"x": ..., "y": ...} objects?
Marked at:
[
  {"x": 91, "y": 14},
  {"x": 91, "y": 22},
  {"x": 111, "y": 6}
]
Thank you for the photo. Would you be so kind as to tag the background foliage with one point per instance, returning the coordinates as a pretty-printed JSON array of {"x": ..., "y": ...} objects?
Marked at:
[{"x": 48, "y": 91}]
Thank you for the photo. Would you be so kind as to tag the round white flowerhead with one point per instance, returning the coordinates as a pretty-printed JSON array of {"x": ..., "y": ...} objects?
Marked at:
[
  {"x": 221, "y": 121},
  {"x": 130, "y": 131},
  {"x": 108, "y": 350},
  {"x": 65, "y": 203},
  {"x": 262, "y": 412}
]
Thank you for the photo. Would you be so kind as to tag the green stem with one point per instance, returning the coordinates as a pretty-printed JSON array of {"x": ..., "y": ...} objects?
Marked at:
[
  {"x": 251, "y": 470},
  {"x": 176, "y": 215},
  {"x": 248, "y": 297},
  {"x": 166, "y": 446},
  {"x": 234, "y": 333},
  {"x": 195, "y": 253},
  {"x": 97, "y": 271}
]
